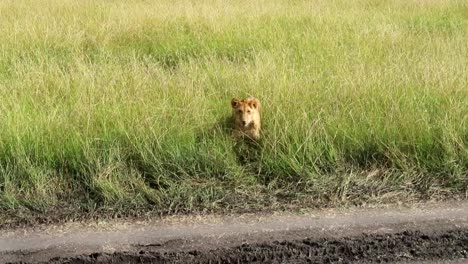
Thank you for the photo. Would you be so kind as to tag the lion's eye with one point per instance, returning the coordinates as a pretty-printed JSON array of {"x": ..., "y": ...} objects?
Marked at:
[
  {"x": 248, "y": 111},
  {"x": 240, "y": 111}
]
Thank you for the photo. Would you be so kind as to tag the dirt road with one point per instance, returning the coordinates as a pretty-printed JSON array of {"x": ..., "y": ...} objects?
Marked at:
[{"x": 430, "y": 233}]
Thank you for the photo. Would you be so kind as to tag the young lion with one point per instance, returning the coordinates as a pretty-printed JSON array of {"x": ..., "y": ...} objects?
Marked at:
[{"x": 246, "y": 114}]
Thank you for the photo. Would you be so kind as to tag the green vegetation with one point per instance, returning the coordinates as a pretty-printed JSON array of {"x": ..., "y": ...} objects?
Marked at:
[{"x": 121, "y": 104}]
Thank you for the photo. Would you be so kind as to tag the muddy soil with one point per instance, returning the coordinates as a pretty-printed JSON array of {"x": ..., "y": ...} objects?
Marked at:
[
  {"x": 405, "y": 246},
  {"x": 422, "y": 234}
]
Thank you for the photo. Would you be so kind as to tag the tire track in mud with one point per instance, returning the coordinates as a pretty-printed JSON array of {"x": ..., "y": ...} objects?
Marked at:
[
  {"x": 365, "y": 248},
  {"x": 434, "y": 233}
]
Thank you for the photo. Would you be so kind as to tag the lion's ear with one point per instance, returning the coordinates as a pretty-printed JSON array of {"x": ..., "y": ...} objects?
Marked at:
[
  {"x": 234, "y": 103},
  {"x": 254, "y": 103}
]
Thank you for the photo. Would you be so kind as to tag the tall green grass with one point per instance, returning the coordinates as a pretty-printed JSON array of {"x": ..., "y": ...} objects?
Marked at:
[{"x": 121, "y": 104}]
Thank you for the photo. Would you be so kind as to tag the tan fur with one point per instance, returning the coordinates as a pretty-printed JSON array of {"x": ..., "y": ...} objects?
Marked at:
[{"x": 246, "y": 114}]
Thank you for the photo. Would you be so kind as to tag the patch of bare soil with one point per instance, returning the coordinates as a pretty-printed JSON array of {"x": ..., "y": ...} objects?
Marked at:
[
  {"x": 423, "y": 234},
  {"x": 405, "y": 246}
]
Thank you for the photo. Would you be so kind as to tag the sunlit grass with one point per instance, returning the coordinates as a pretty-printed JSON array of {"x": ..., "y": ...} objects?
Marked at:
[{"x": 122, "y": 104}]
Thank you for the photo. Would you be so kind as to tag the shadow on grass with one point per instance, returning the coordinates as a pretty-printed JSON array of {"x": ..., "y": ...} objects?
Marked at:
[{"x": 248, "y": 152}]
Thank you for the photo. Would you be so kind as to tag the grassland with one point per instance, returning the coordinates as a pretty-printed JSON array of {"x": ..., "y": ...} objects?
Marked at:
[{"x": 121, "y": 104}]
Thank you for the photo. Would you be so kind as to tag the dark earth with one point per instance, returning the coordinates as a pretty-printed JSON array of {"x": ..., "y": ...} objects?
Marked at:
[
  {"x": 404, "y": 246},
  {"x": 427, "y": 234}
]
